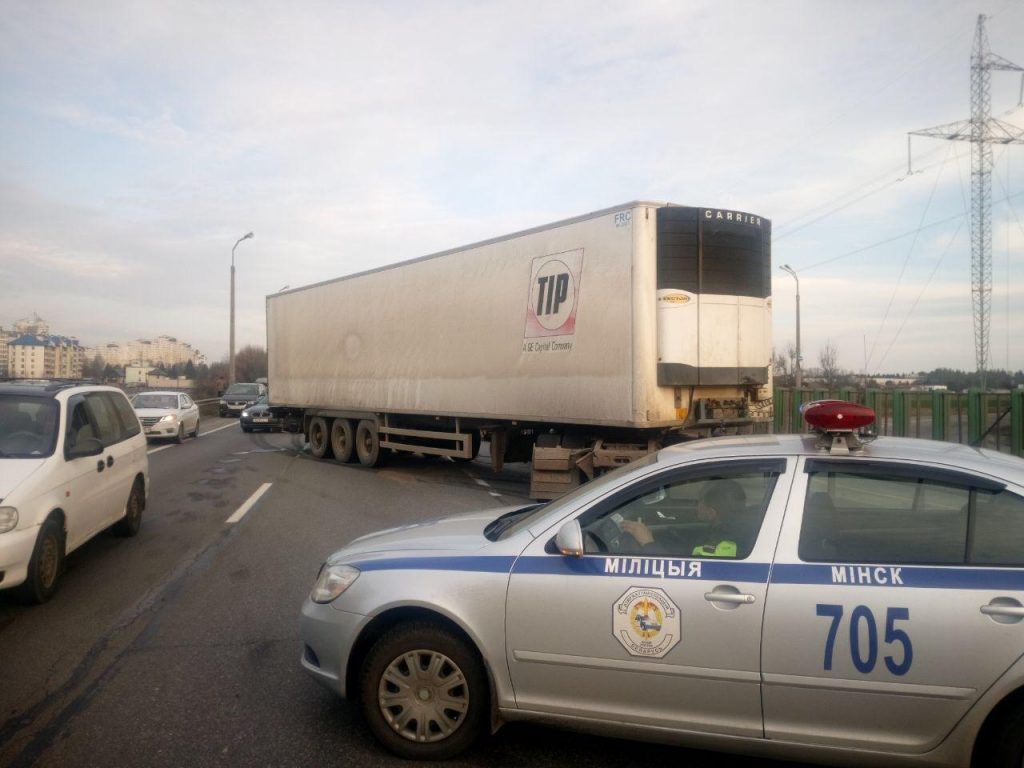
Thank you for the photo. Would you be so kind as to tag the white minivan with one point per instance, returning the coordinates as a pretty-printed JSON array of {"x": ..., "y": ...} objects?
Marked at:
[{"x": 72, "y": 463}]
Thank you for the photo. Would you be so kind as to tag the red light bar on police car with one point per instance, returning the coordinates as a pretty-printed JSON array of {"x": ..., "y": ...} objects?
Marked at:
[{"x": 836, "y": 415}]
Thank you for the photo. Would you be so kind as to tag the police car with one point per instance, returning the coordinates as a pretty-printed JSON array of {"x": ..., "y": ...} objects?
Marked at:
[{"x": 861, "y": 603}]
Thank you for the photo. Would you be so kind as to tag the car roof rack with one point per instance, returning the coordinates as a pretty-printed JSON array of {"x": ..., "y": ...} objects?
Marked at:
[{"x": 50, "y": 385}]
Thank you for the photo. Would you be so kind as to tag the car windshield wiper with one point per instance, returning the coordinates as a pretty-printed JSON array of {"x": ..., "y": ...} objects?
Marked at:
[{"x": 497, "y": 527}]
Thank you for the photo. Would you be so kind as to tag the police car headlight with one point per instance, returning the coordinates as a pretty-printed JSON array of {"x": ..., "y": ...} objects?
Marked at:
[
  {"x": 8, "y": 519},
  {"x": 332, "y": 581},
  {"x": 169, "y": 417}
]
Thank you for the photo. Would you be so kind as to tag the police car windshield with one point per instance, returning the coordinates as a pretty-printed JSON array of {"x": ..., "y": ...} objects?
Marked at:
[
  {"x": 569, "y": 500},
  {"x": 28, "y": 427}
]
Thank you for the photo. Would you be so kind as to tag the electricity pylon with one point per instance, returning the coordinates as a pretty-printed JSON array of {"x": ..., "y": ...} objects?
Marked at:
[{"x": 982, "y": 130}]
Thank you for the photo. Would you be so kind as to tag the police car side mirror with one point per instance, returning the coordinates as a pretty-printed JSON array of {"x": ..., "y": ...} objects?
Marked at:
[{"x": 570, "y": 539}]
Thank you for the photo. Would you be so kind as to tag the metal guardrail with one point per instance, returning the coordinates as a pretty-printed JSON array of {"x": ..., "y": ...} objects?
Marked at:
[
  {"x": 208, "y": 406},
  {"x": 992, "y": 420}
]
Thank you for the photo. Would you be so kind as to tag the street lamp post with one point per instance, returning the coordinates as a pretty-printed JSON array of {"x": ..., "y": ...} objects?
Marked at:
[
  {"x": 231, "y": 349},
  {"x": 798, "y": 372}
]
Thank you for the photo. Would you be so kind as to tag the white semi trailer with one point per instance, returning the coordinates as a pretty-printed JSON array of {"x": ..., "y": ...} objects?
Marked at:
[{"x": 578, "y": 345}]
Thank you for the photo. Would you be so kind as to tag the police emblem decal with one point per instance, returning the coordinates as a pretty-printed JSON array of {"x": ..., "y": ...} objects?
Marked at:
[{"x": 646, "y": 622}]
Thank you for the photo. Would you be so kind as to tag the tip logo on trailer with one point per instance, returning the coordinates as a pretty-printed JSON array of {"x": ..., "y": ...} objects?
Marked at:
[{"x": 553, "y": 301}]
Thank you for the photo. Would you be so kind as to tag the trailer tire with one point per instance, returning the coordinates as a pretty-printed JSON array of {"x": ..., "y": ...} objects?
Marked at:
[
  {"x": 319, "y": 438},
  {"x": 368, "y": 445},
  {"x": 343, "y": 441}
]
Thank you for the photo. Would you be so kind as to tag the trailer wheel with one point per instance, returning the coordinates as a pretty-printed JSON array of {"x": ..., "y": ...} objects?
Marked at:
[
  {"x": 343, "y": 441},
  {"x": 319, "y": 440},
  {"x": 368, "y": 445}
]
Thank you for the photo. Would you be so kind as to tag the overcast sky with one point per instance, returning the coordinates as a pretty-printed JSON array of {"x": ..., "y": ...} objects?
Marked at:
[{"x": 139, "y": 141}]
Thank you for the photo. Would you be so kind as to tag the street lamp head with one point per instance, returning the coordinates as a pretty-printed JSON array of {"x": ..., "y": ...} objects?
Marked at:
[{"x": 247, "y": 235}]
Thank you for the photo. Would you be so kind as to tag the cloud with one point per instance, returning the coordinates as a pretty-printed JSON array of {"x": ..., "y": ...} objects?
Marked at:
[{"x": 151, "y": 136}]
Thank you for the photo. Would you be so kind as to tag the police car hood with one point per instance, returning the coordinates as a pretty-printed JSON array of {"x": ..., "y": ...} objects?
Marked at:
[{"x": 456, "y": 532}]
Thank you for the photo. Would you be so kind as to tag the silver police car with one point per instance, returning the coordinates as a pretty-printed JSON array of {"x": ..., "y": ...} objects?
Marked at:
[{"x": 816, "y": 598}]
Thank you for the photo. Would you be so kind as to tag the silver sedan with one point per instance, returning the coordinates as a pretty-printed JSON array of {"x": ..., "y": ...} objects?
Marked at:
[
  {"x": 780, "y": 596},
  {"x": 167, "y": 414}
]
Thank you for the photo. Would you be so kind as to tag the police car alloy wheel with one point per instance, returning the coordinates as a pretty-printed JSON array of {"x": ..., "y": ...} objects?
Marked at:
[{"x": 424, "y": 692}]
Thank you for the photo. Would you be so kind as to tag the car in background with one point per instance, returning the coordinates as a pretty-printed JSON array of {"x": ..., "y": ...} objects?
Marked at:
[
  {"x": 258, "y": 416},
  {"x": 811, "y": 597},
  {"x": 72, "y": 463},
  {"x": 240, "y": 396},
  {"x": 167, "y": 414}
]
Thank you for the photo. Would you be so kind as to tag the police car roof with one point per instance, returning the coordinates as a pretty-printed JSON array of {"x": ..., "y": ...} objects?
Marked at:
[{"x": 933, "y": 452}]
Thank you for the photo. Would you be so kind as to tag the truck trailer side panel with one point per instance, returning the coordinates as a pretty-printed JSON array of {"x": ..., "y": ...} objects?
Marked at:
[{"x": 552, "y": 325}]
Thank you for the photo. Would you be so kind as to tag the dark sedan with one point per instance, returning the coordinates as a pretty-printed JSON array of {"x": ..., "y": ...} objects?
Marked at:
[{"x": 258, "y": 416}]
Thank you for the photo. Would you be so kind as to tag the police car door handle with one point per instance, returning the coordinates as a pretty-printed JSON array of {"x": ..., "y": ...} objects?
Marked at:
[
  {"x": 735, "y": 598},
  {"x": 995, "y": 609}
]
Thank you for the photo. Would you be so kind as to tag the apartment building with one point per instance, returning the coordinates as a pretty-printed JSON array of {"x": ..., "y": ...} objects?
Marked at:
[
  {"x": 45, "y": 357},
  {"x": 162, "y": 351}
]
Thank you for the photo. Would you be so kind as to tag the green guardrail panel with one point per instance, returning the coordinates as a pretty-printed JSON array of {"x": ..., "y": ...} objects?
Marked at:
[
  {"x": 938, "y": 415},
  {"x": 975, "y": 415},
  {"x": 899, "y": 413},
  {"x": 896, "y": 409},
  {"x": 779, "y": 398},
  {"x": 1017, "y": 422}
]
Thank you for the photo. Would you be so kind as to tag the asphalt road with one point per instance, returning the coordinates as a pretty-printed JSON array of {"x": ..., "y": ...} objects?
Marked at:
[{"x": 180, "y": 646}]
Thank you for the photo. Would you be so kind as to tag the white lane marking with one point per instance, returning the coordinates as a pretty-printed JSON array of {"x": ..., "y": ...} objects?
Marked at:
[
  {"x": 207, "y": 432},
  {"x": 240, "y": 512},
  {"x": 495, "y": 494},
  {"x": 218, "y": 429},
  {"x": 478, "y": 481}
]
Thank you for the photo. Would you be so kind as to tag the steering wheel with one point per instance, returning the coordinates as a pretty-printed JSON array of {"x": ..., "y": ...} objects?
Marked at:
[
  {"x": 24, "y": 437},
  {"x": 21, "y": 433}
]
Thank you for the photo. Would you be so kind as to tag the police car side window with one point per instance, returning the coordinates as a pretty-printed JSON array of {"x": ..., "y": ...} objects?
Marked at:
[
  {"x": 714, "y": 515},
  {"x": 864, "y": 517},
  {"x": 997, "y": 536}
]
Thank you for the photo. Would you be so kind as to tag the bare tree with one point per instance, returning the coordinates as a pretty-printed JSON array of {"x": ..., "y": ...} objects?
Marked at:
[
  {"x": 781, "y": 371},
  {"x": 250, "y": 363},
  {"x": 831, "y": 373}
]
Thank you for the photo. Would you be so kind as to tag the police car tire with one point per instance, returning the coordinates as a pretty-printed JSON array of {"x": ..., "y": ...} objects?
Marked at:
[
  {"x": 1006, "y": 748},
  {"x": 425, "y": 636}
]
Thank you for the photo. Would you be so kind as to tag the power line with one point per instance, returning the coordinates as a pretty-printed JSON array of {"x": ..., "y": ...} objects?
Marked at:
[
  {"x": 903, "y": 269},
  {"x": 982, "y": 131},
  {"x": 895, "y": 238},
  {"x": 843, "y": 207},
  {"x": 921, "y": 293}
]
